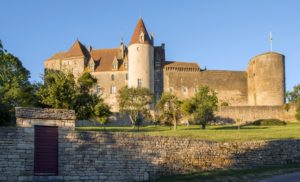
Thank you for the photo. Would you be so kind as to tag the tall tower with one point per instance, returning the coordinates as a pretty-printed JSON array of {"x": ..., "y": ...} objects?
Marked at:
[
  {"x": 266, "y": 80},
  {"x": 141, "y": 58}
]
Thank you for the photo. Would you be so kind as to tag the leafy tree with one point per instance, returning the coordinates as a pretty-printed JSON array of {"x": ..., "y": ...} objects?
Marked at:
[
  {"x": 15, "y": 88},
  {"x": 59, "y": 90},
  {"x": 136, "y": 103},
  {"x": 86, "y": 101},
  {"x": 102, "y": 113},
  {"x": 294, "y": 97},
  {"x": 202, "y": 105},
  {"x": 168, "y": 108}
]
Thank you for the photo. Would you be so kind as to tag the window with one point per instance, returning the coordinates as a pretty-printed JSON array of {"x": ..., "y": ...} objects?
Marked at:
[
  {"x": 115, "y": 64},
  {"x": 185, "y": 90},
  {"x": 126, "y": 76},
  {"x": 125, "y": 65},
  {"x": 98, "y": 89},
  {"x": 139, "y": 83},
  {"x": 112, "y": 77},
  {"x": 91, "y": 67},
  {"x": 142, "y": 37},
  {"x": 113, "y": 89}
]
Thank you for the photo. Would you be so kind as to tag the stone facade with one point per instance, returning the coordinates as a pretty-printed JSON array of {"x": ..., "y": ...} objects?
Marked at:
[
  {"x": 106, "y": 156},
  {"x": 142, "y": 64}
]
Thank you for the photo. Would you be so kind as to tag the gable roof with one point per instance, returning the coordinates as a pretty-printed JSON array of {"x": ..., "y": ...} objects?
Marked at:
[
  {"x": 104, "y": 59},
  {"x": 77, "y": 50},
  {"x": 140, "y": 27}
]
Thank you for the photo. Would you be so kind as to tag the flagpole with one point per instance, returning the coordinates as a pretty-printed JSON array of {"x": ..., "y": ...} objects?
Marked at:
[{"x": 271, "y": 42}]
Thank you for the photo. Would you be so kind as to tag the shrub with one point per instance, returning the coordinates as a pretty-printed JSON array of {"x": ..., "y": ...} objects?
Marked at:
[{"x": 268, "y": 122}]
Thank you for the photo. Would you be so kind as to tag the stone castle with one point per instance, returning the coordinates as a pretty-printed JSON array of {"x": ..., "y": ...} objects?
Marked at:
[{"x": 142, "y": 64}]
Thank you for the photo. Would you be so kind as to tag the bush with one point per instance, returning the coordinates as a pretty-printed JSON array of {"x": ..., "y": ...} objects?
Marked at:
[{"x": 268, "y": 122}]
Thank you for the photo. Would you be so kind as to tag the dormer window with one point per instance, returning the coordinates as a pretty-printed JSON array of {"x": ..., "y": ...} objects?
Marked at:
[
  {"x": 142, "y": 37},
  {"x": 115, "y": 64},
  {"x": 91, "y": 65}
]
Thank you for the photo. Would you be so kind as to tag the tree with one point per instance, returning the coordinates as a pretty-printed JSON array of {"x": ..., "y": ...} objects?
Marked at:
[
  {"x": 202, "y": 105},
  {"x": 102, "y": 113},
  {"x": 15, "y": 88},
  {"x": 294, "y": 97},
  {"x": 168, "y": 108},
  {"x": 85, "y": 101},
  {"x": 136, "y": 103},
  {"x": 59, "y": 90}
]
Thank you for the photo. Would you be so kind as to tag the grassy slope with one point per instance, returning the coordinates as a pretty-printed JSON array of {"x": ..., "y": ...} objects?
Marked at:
[{"x": 214, "y": 133}]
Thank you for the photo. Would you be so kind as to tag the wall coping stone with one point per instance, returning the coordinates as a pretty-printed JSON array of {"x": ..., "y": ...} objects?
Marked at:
[{"x": 45, "y": 113}]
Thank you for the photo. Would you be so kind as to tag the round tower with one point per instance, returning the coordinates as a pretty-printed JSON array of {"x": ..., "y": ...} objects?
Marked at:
[
  {"x": 141, "y": 58},
  {"x": 266, "y": 80}
]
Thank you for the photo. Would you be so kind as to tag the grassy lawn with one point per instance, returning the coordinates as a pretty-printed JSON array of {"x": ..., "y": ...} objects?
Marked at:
[
  {"x": 245, "y": 175},
  {"x": 213, "y": 133}
]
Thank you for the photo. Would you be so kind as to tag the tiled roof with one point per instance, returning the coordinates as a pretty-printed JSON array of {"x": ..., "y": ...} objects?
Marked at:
[
  {"x": 77, "y": 50},
  {"x": 104, "y": 59},
  {"x": 140, "y": 27}
]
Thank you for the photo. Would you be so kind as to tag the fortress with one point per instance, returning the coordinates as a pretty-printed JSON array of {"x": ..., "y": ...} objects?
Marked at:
[{"x": 142, "y": 64}]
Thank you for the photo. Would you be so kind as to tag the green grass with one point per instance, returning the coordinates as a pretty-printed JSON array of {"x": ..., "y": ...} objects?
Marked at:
[
  {"x": 233, "y": 175},
  {"x": 213, "y": 133}
]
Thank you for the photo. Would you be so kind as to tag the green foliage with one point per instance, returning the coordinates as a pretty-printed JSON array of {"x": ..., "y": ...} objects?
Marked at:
[
  {"x": 298, "y": 111},
  {"x": 15, "y": 88},
  {"x": 102, "y": 113},
  {"x": 224, "y": 104},
  {"x": 202, "y": 105},
  {"x": 168, "y": 108},
  {"x": 136, "y": 103},
  {"x": 268, "y": 122},
  {"x": 294, "y": 97},
  {"x": 59, "y": 90}
]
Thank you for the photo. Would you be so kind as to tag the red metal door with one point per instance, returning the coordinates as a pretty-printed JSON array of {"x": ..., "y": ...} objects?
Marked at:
[{"x": 45, "y": 150}]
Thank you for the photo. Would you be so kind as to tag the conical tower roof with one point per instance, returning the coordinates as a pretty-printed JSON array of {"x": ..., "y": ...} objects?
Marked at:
[
  {"x": 77, "y": 49},
  {"x": 140, "y": 29}
]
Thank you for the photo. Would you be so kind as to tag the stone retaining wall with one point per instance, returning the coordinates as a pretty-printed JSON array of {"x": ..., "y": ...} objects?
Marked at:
[
  {"x": 252, "y": 113},
  {"x": 106, "y": 156}
]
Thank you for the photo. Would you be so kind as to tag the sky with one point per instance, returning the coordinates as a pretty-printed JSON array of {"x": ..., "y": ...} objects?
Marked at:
[{"x": 218, "y": 35}]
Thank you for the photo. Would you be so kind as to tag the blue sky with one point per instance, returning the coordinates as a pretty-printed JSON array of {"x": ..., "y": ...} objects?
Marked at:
[{"x": 221, "y": 35}]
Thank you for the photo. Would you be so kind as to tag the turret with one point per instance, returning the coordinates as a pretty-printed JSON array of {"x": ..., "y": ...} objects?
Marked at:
[
  {"x": 141, "y": 58},
  {"x": 266, "y": 80}
]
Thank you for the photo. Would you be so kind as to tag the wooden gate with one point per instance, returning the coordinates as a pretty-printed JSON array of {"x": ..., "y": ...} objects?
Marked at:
[{"x": 45, "y": 150}]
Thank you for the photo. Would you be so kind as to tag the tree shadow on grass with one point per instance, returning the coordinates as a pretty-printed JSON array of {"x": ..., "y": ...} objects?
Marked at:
[{"x": 241, "y": 128}]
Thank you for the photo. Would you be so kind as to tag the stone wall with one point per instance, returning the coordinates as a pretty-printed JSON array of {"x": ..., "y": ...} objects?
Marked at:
[
  {"x": 105, "y": 83},
  {"x": 252, "y": 113},
  {"x": 88, "y": 156},
  {"x": 231, "y": 86},
  {"x": 106, "y": 156}
]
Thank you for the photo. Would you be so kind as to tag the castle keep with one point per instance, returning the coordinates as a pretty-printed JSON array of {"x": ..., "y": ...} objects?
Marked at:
[{"x": 142, "y": 64}]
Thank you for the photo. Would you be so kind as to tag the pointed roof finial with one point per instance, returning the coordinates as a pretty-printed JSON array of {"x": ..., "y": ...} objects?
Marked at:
[{"x": 140, "y": 29}]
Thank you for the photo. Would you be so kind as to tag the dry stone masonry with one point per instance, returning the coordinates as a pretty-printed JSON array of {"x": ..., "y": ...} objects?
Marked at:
[{"x": 106, "y": 156}]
